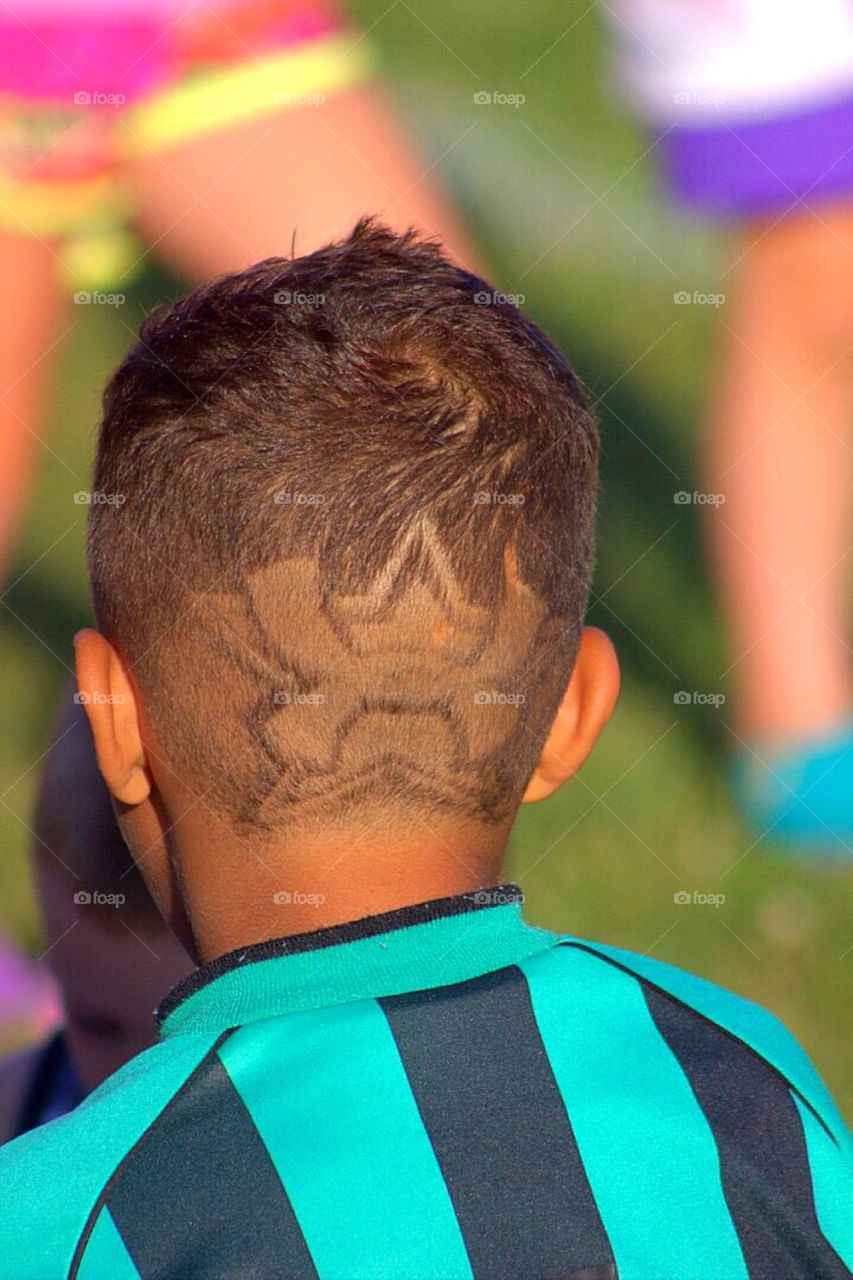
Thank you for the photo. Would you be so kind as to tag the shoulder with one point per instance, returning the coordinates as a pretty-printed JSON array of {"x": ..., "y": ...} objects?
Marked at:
[
  {"x": 662, "y": 1070},
  {"x": 51, "y": 1178},
  {"x": 696, "y": 1018}
]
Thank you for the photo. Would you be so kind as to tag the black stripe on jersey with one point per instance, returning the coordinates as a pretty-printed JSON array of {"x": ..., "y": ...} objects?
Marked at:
[
  {"x": 764, "y": 1163},
  {"x": 481, "y": 1078},
  {"x": 86, "y": 1233},
  {"x": 198, "y": 1195}
]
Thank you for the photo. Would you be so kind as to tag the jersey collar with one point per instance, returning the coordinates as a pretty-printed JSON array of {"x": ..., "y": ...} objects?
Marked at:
[{"x": 429, "y": 944}]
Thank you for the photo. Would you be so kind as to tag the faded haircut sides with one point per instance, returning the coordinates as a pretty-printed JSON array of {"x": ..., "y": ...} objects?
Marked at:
[{"x": 342, "y": 533}]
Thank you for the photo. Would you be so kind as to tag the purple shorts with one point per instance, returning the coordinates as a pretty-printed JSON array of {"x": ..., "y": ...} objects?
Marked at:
[{"x": 732, "y": 169}]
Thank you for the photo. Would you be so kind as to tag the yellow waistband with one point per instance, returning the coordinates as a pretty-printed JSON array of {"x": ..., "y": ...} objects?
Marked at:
[{"x": 213, "y": 99}]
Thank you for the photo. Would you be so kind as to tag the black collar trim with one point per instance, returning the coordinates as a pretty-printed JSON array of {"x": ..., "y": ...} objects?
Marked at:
[{"x": 333, "y": 935}]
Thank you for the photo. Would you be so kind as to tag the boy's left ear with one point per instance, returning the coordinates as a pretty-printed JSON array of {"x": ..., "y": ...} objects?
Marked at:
[
  {"x": 584, "y": 711},
  {"x": 108, "y": 696}
]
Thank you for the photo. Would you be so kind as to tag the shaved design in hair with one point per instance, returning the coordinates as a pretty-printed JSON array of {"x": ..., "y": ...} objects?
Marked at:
[
  {"x": 352, "y": 556},
  {"x": 408, "y": 689}
]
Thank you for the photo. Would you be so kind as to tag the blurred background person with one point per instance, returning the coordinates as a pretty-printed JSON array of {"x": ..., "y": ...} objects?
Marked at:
[
  {"x": 212, "y": 133},
  {"x": 753, "y": 104},
  {"x": 109, "y": 949},
  {"x": 29, "y": 1006}
]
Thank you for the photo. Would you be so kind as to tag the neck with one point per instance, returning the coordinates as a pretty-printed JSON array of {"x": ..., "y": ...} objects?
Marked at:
[{"x": 237, "y": 895}]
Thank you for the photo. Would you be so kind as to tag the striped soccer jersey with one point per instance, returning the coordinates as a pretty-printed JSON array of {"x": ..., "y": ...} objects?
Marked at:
[{"x": 440, "y": 1093}]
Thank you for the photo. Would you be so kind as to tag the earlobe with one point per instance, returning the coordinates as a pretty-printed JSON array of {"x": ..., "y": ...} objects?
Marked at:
[
  {"x": 107, "y": 694},
  {"x": 584, "y": 711}
]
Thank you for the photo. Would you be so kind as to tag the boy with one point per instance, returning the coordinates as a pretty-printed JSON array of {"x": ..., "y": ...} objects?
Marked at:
[
  {"x": 108, "y": 946},
  {"x": 341, "y": 608}
]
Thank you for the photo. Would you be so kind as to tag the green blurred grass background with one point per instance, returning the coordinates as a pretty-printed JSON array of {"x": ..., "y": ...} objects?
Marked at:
[{"x": 562, "y": 193}]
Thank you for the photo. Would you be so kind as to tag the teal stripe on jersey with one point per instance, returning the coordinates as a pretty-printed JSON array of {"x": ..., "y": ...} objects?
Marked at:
[
  {"x": 647, "y": 1148},
  {"x": 349, "y": 1144},
  {"x": 106, "y": 1258},
  {"x": 832, "y": 1182},
  {"x": 749, "y": 1022}
]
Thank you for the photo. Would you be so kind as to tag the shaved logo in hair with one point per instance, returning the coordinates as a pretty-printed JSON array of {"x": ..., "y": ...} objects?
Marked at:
[{"x": 406, "y": 685}]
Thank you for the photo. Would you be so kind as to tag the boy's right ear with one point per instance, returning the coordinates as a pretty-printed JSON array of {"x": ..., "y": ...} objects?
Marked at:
[
  {"x": 107, "y": 694},
  {"x": 584, "y": 711}
]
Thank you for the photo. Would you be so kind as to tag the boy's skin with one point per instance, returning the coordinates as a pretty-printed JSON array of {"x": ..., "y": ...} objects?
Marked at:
[{"x": 227, "y": 898}]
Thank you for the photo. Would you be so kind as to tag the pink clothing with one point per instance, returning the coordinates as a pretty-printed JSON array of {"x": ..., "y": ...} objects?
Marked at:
[
  {"x": 29, "y": 1000},
  {"x": 118, "y": 50}
]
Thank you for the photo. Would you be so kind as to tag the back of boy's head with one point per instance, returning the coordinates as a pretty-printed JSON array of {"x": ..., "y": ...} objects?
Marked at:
[{"x": 343, "y": 536}]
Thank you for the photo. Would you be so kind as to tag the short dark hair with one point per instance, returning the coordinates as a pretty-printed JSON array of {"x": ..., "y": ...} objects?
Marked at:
[
  {"x": 343, "y": 531},
  {"x": 75, "y": 832}
]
